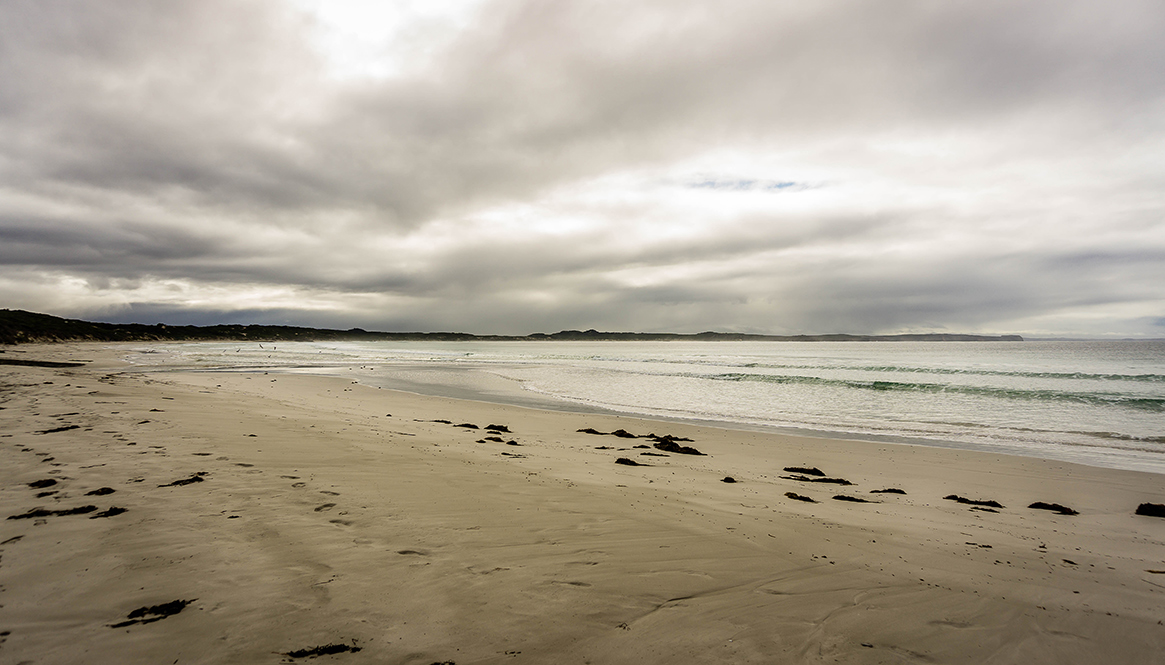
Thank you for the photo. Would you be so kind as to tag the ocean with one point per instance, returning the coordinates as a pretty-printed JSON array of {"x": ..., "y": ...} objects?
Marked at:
[{"x": 1100, "y": 403}]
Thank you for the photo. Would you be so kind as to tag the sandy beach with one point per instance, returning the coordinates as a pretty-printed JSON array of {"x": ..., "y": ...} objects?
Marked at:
[{"x": 248, "y": 518}]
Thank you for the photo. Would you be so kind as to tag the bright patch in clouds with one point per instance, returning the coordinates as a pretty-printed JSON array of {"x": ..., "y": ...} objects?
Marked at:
[{"x": 366, "y": 39}]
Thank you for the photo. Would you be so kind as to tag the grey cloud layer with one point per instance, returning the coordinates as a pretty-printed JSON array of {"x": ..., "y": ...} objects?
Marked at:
[{"x": 204, "y": 141}]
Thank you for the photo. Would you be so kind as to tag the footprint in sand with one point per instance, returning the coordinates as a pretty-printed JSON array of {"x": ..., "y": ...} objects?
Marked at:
[{"x": 326, "y": 506}]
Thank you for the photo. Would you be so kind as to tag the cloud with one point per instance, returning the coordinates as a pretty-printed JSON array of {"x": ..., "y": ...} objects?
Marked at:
[{"x": 784, "y": 167}]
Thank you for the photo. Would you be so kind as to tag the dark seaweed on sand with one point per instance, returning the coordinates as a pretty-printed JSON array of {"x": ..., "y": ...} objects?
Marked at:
[
  {"x": 196, "y": 478},
  {"x": 972, "y": 502},
  {"x": 1054, "y": 507},
  {"x": 799, "y": 497},
  {"x": 851, "y": 499},
  {"x": 628, "y": 462},
  {"x": 667, "y": 437},
  {"x": 40, "y": 512},
  {"x": 37, "y": 363},
  {"x": 805, "y": 470},
  {"x": 670, "y": 446},
  {"x": 807, "y": 479},
  {"x": 1151, "y": 509},
  {"x": 66, "y": 428},
  {"x": 144, "y": 615},
  {"x": 325, "y": 650},
  {"x": 888, "y": 490}
]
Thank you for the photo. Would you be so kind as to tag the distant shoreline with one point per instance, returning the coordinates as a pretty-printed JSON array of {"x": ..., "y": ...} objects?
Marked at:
[{"x": 21, "y": 327}]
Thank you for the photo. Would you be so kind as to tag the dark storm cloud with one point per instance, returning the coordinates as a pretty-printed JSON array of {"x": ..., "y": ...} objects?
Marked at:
[{"x": 207, "y": 142}]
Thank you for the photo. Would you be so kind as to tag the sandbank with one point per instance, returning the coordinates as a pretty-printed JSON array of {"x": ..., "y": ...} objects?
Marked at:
[{"x": 289, "y": 518}]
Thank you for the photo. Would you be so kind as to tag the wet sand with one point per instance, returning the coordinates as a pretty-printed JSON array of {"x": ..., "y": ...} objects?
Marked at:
[{"x": 230, "y": 518}]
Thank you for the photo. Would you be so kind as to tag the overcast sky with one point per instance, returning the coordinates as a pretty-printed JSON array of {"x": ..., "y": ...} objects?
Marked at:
[{"x": 516, "y": 166}]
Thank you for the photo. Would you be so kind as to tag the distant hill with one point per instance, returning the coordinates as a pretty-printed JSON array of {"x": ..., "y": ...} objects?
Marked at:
[{"x": 18, "y": 327}]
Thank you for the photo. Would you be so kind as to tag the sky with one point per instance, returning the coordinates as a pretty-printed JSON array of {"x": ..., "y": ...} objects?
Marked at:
[{"x": 518, "y": 166}]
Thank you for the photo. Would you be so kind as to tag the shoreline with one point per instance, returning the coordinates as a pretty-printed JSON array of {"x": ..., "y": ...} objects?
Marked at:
[
  {"x": 336, "y": 514},
  {"x": 507, "y": 391}
]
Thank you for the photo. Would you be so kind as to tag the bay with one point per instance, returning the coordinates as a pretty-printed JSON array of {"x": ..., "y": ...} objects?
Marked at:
[{"x": 1094, "y": 402}]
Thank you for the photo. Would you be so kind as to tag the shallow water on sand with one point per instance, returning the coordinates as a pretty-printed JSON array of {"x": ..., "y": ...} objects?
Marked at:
[{"x": 1098, "y": 403}]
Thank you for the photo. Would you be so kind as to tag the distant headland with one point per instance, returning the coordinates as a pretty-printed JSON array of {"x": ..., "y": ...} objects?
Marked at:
[{"x": 19, "y": 327}]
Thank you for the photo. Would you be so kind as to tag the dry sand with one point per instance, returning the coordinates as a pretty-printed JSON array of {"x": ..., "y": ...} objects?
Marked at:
[{"x": 341, "y": 521}]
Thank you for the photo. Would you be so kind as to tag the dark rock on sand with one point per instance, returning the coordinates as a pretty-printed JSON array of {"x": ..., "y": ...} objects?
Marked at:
[
  {"x": 727, "y": 479},
  {"x": 468, "y": 426},
  {"x": 143, "y": 615},
  {"x": 101, "y": 491},
  {"x": 1054, "y": 507},
  {"x": 888, "y": 490},
  {"x": 498, "y": 428},
  {"x": 799, "y": 497},
  {"x": 972, "y": 502},
  {"x": 805, "y": 470},
  {"x": 1151, "y": 509},
  {"x": 41, "y": 484},
  {"x": 831, "y": 481},
  {"x": 325, "y": 650},
  {"x": 621, "y": 460}
]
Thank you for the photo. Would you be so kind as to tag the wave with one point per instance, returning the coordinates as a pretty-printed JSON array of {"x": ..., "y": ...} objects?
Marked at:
[
  {"x": 1139, "y": 402},
  {"x": 911, "y": 369}
]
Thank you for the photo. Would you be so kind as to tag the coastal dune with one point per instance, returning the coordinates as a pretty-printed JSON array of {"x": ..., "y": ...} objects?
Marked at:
[{"x": 287, "y": 518}]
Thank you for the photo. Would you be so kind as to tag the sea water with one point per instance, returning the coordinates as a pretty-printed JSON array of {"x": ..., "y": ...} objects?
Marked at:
[{"x": 1094, "y": 402}]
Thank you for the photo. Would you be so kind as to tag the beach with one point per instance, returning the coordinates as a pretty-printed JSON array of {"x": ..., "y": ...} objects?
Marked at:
[{"x": 288, "y": 518}]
